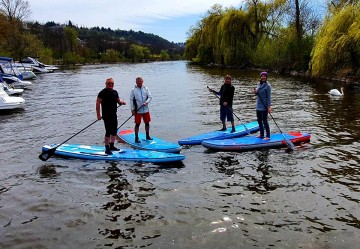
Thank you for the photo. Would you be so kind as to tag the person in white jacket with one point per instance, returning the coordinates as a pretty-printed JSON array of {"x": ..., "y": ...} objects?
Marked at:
[{"x": 140, "y": 97}]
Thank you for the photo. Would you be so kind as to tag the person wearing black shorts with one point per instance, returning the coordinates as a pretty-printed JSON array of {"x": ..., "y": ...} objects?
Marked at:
[
  {"x": 108, "y": 99},
  {"x": 226, "y": 94}
]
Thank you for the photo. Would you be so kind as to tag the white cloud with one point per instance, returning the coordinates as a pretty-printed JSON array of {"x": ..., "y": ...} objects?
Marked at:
[
  {"x": 119, "y": 14},
  {"x": 149, "y": 16}
]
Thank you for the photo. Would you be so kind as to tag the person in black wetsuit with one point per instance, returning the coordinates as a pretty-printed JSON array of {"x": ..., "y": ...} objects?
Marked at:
[
  {"x": 108, "y": 98},
  {"x": 226, "y": 94}
]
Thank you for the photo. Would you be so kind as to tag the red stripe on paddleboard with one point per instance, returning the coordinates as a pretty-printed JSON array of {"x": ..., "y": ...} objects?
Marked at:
[
  {"x": 295, "y": 133},
  {"x": 125, "y": 132}
]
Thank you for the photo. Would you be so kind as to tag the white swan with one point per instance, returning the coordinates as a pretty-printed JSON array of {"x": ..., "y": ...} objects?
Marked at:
[{"x": 335, "y": 92}]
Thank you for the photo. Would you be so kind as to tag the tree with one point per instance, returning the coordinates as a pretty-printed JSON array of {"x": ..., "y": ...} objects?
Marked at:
[
  {"x": 71, "y": 38},
  {"x": 337, "y": 46},
  {"x": 164, "y": 55},
  {"x": 136, "y": 53},
  {"x": 5, "y": 31},
  {"x": 15, "y": 9}
]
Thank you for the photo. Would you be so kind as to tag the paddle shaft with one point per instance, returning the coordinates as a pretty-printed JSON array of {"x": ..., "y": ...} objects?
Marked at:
[
  {"x": 128, "y": 118},
  {"x": 288, "y": 142},
  {"x": 76, "y": 133},
  {"x": 47, "y": 154},
  {"x": 231, "y": 111}
]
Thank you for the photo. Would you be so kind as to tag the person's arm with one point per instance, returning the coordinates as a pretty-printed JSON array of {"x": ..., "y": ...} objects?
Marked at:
[
  {"x": 133, "y": 102},
  {"x": 132, "y": 96},
  {"x": 149, "y": 97},
  {"x": 98, "y": 103},
  {"x": 213, "y": 91},
  {"x": 121, "y": 102},
  {"x": 269, "y": 99}
]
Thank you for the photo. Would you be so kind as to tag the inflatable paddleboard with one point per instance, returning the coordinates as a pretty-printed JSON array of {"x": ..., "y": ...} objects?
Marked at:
[
  {"x": 252, "y": 142},
  {"x": 157, "y": 144},
  {"x": 93, "y": 152},
  {"x": 240, "y": 130}
]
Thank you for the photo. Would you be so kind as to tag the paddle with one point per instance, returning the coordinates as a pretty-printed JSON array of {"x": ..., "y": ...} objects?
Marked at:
[
  {"x": 247, "y": 130},
  {"x": 45, "y": 155},
  {"x": 289, "y": 144},
  {"x": 128, "y": 118}
]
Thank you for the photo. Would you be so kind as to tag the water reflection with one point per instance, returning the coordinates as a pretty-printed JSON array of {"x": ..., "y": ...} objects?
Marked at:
[
  {"x": 255, "y": 199},
  {"x": 128, "y": 191},
  {"x": 261, "y": 183}
]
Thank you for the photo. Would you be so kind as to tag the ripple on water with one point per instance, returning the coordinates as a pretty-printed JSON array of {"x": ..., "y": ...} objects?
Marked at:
[{"x": 256, "y": 199}]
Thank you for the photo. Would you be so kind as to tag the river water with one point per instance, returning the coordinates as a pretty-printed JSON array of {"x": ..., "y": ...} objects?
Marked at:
[{"x": 308, "y": 198}]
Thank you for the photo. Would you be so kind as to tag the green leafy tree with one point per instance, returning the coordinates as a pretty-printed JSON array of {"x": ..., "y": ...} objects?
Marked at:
[
  {"x": 111, "y": 55},
  {"x": 71, "y": 37},
  {"x": 337, "y": 46},
  {"x": 164, "y": 55},
  {"x": 146, "y": 53},
  {"x": 136, "y": 53},
  {"x": 5, "y": 31}
]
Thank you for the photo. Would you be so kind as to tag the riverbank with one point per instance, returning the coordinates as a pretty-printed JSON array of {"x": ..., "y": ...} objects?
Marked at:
[{"x": 348, "y": 76}]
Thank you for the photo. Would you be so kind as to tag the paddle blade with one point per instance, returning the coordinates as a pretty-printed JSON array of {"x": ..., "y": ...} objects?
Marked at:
[
  {"x": 290, "y": 145},
  {"x": 45, "y": 155}
]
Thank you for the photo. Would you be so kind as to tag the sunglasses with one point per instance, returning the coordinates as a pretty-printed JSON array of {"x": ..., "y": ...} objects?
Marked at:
[{"x": 110, "y": 83}]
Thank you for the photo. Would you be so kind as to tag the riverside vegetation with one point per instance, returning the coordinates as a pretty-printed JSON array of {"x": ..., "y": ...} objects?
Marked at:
[
  {"x": 281, "y": 35},
  {"x": 69, "y": 44}
]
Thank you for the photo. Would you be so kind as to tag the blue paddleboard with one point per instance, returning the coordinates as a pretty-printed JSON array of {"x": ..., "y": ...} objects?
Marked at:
[
  {"x": 93, "y": 152},
  {"x": 252, "y": 142},
  {"x": 240, "y": 130},
  {"x": 128, "y": 136}
]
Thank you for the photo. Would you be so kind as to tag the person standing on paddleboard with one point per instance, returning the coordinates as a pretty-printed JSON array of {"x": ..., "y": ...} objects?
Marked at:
[
  {"x": 140, "y": 98},
  {"x": 226, "y": 94},
  {"x": 108, "y": 98},
  {"x": 263, "y": 104}
]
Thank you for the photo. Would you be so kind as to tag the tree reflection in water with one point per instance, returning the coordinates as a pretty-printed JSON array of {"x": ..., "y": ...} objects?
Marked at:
[
  {"x": 231, "y": 164},
  {"x": 261, "y": 184},
  {"x": 125, "y": 209}
]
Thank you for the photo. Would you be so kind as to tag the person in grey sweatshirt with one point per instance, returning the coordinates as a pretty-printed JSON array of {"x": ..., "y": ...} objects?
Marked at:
[{"x": 263, "y": 105}]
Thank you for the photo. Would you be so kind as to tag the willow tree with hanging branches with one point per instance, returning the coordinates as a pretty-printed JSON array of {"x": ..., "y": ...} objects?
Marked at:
[
  {"x": 234, "y": 38},
  {"x": 337, "y": 46},
  {"x": 230, "y": 37}
]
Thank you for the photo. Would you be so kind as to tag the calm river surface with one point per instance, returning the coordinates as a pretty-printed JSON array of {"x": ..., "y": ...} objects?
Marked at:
[{"x": 308, "y": 198}]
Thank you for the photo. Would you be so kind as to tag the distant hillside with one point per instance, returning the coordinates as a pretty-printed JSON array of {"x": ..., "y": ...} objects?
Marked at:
[{"x": 154, "y": 42}]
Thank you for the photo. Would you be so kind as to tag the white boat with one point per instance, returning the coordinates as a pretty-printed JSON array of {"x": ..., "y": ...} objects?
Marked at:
[
  {"x": 36, "y": 66},
  {"x": 9, "y": 102},
  {"x": 7, "y": 66},
  {"x": 28, "y": 74},
  {"x": 10, "y": 90},
  {"x": 14, "y": 81}
]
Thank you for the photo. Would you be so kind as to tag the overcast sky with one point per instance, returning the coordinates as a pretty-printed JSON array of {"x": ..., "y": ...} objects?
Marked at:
[{"x": 170, "y": 19}]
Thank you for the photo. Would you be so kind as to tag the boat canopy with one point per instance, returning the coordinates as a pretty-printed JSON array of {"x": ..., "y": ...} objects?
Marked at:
[{"x": 7, "y": 59}]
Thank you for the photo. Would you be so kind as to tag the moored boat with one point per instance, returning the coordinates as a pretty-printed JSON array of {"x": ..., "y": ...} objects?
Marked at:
[
  {"x": 14, "y": 81},
  {"x": 9, "y": 102},
  {"x": 9, "y": 90},
  {"x": 7, "y": 66},
  {"x": 36, "y": 66}
]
